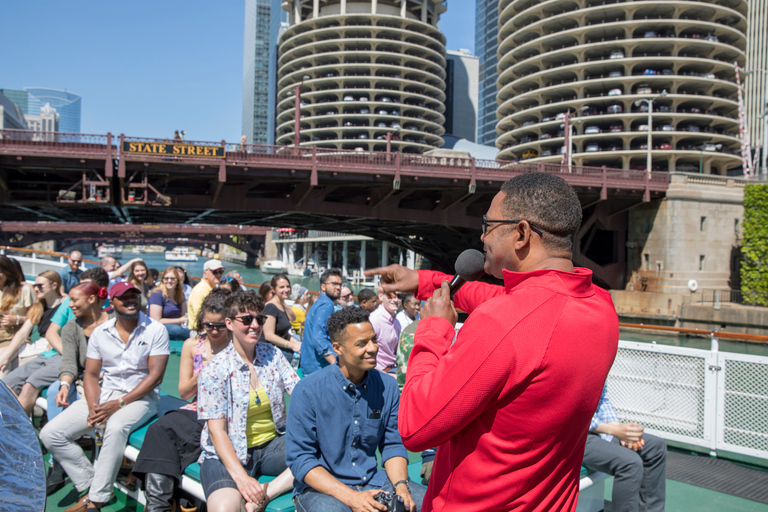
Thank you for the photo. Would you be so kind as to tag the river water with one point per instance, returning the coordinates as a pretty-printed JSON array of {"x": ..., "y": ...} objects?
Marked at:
[{"x": 256, "y": 277}]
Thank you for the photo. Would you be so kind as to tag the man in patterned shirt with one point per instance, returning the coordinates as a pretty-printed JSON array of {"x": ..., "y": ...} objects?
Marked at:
[{"x": 636, "y": 460}]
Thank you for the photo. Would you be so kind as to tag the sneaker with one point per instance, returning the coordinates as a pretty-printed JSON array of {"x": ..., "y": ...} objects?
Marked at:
[{"x": 55, "y": 479}]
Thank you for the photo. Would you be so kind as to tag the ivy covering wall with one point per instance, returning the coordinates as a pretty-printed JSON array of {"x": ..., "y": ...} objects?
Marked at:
[{"x": 754, "y": 248}]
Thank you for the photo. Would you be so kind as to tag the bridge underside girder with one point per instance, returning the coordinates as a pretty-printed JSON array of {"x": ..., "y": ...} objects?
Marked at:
[{"x": 434, "y": 216}]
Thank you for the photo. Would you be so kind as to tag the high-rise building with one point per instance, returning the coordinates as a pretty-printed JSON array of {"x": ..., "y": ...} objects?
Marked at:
[
  {"x": 461, "y": 92},
  {"x": 67, "y": 104},
  {"x": 11, "y": 116},
  {"x": 486, "y": 44},
  {"x": 365, "y": 69},
  {"x": 258, "y": 53},
  {"x": 19, "y": 97},
  {"x": 604, "y": 61},
  {"x": 46, "y": 121},
  {"x": 756, "y": 85}
]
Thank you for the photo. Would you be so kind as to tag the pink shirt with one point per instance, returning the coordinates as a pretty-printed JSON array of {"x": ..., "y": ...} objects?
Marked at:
[{"x": 387, "y": 333}]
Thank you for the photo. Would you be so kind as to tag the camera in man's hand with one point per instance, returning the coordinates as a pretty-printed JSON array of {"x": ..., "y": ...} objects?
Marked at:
[{"x": 393, "y": 502}]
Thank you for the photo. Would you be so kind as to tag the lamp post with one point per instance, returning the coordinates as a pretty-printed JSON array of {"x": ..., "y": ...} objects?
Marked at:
[
  {"x": 568, "y": 136},
  {"x": 389, "y": 135},
  {"x": 764, "y": 148},
  {"x": 649, "y": 102}
]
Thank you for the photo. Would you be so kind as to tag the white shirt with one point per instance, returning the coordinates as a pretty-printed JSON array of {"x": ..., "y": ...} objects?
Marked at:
[
  {"x": 125, "y": 365},
  {"x": 404, "y": 319}
]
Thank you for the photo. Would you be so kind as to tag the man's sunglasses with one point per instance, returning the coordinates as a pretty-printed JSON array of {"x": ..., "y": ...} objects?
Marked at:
[
  {"x": 77, "y": 262},
  {"x": 210, "y": 326},
  {"x": 217, "y": 272},
  {"x": 225, "y": 280},
  {"x": 248, "y": 319}
]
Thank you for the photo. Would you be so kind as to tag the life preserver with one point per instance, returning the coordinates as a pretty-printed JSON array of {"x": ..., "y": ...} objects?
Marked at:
[{"x": 693, "y": 285}]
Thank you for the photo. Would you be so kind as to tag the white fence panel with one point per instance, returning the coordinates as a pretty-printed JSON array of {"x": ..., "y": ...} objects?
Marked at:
[
  {"x": 742, "y": 409},
  {"x": 669, "y": 390}
]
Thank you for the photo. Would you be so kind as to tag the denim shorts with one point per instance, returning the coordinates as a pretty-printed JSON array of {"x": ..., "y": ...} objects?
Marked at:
[{"x": 266, "y": 459}]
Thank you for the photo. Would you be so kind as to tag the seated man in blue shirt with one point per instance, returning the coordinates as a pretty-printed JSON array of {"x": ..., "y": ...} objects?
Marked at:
[
  {"x": 338, "y": 417},
  {"x": 636, "y": 460}
]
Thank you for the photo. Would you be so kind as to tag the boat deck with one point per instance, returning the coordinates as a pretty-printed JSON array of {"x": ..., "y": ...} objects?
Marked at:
[{"x": 740, "y": 482}]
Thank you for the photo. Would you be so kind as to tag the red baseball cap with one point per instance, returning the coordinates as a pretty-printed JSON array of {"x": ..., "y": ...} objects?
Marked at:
[{"x": 120, "y": 288}]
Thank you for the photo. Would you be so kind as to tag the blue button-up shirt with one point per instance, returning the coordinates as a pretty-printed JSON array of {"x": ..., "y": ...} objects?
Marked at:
[
  {"x": 338, "y": 425},
  {"x": 69, "y": 279},
  {"x": 605, "y": 413},
  {"x": 316, "y": 342}
]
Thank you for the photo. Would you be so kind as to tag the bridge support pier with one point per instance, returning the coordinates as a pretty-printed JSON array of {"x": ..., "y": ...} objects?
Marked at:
[
  {"x": 384, "y": 254},
  {"x": 362, "y": 255},
  {"x": 330, "y": 254},
  {"x": 344, "y": 258}
]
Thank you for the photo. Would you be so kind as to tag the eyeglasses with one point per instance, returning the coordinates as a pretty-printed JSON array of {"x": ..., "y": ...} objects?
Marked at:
[
  {"x": 488, "y": 221},
  {"x": 210, "y": 326},
  {"x": 248, "y": 319},
  {"x": 348, "y": 296},
  {"x": 333, "y": 283},
  {"x": 217, "y": 272},
  {"x": 76, "y": 262},
  {"x": 38, "y": 286},
  {"x": 170, "y": 279},
  {"x": 225, "y": 280}
]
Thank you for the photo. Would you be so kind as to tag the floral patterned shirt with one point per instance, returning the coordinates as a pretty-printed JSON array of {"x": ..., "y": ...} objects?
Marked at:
[{"x": 223, "y": 391}]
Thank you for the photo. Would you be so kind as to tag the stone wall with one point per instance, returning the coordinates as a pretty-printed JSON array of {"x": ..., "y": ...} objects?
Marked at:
[{"x": 693, "y": 234}]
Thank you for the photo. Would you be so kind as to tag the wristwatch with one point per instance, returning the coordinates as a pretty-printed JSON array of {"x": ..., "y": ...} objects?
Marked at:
[{"x": 121, "y": 402}]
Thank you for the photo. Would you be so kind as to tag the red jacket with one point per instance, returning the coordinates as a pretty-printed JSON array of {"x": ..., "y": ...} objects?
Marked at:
[{"x": 509, "y": 404}]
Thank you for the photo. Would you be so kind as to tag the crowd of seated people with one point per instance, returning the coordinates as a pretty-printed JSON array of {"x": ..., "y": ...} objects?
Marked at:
[{"x": 235, "y": 371}]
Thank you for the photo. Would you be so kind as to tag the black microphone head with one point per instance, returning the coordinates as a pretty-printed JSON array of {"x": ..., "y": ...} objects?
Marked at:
[{"x": 470, "y": 265}]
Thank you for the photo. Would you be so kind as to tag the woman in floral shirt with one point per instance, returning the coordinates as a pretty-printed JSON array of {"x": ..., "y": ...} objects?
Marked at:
[
  {"x": 241, "y": 394},
  {"x": 173, "y": 442}
]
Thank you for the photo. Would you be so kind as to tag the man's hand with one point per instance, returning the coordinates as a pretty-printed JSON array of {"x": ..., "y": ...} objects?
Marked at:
[
  {"x": 626, "y": 432},
  {"x": 102, "y": 412},
  {"x": 363, "y": 501},
  {"x": 62, "y": 395},
  {"x": 403, "y": 492},
  {"x": 251, "y": 489},
  {"x": 440, "y": 304},
  {"x": 396, "y": 278}
]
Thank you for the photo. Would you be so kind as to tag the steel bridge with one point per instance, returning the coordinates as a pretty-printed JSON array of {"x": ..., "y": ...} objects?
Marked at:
[{"x": 429, "y": 203}]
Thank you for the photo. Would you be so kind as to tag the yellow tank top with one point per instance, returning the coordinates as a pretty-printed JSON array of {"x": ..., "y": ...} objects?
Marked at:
[{"x": 259, "y": 427}]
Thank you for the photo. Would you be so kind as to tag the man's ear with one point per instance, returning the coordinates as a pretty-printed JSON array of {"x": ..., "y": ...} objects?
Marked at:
[{"x": 336, "y": 348}]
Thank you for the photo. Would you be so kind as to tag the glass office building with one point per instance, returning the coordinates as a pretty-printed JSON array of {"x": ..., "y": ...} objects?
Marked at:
[
  {"x": 486, "y": 44},
  {"x": 262, "y": 28},
  {"x": 67, "y": 104}
]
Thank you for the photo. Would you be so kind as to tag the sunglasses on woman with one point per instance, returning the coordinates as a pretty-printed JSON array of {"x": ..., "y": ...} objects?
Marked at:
[
  {"x": 248, "y": 319},
  {"x": 211, "y": 326}
]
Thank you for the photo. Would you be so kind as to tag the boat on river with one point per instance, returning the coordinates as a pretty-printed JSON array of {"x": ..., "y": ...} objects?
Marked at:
[
  {"x": 115, "y": 251},
  {"x": 273, "y": 267},
  {"x": 181, "y": 254}
]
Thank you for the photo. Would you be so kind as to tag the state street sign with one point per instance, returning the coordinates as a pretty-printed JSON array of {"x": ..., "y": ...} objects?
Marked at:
[{"x": 172, "y": 149}]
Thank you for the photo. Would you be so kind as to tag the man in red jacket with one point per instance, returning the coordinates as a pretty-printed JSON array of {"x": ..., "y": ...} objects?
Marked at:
[{"x": 510, "y": 402}]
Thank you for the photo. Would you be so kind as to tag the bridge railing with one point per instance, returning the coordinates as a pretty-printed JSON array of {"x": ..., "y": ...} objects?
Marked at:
[
  {"x": 332, "y": 159},
  {"x": 59, "y": 142}
]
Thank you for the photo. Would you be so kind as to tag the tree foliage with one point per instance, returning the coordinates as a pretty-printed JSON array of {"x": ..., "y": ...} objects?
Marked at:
[{"x": 754, "y": 249}]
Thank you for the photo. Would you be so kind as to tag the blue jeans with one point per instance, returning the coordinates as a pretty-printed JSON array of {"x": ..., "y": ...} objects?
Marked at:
[
  {"x": 267, "y": 459},
  {"x": 53, "y": 390},
  {"x": 177, "y": 332},
  {"x": 313, "y": 501}
]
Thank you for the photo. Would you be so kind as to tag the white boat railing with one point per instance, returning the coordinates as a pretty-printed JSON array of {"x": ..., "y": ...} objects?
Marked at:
[
  {"x": 703, "y": 399},
  {"x": 33, "y": 265}
]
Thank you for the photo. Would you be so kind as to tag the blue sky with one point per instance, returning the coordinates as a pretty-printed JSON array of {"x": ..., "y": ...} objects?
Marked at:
[{"x": 147, "y": 68}]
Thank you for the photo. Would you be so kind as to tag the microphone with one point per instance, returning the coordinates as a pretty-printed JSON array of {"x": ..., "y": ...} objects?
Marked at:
[{"x": 469, "y": 267}]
